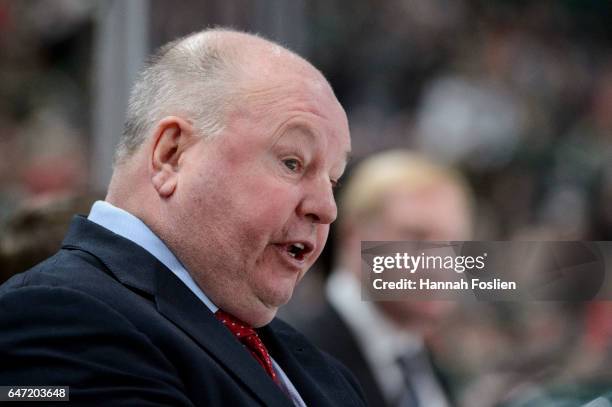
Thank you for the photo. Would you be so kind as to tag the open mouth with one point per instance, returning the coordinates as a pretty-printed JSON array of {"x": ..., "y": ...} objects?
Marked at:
[{"x": 298, "y": 250}]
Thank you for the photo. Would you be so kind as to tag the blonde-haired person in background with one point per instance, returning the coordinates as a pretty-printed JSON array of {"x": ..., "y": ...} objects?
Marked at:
[{"x": 392, "y": 195}]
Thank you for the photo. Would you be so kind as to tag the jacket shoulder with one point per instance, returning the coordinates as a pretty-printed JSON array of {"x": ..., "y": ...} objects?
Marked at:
[{"x": 83, "y": 342}]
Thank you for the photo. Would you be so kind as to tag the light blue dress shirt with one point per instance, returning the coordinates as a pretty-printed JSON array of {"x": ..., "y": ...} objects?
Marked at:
[{"x": 130, "y": 227}]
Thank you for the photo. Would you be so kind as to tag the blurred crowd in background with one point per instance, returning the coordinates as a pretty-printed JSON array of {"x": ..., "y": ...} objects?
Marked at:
[{"x": 515, "y": 95}]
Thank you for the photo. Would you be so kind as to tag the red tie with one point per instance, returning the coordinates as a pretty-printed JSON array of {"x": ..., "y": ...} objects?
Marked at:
[{"x": 249, "y": 338}]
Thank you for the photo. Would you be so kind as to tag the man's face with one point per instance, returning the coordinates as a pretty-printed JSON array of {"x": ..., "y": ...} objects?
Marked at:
[{"x": 254, "y": 204}]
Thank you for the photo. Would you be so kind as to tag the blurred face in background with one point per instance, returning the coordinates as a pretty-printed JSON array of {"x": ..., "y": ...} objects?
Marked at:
[
  {"x": 434, "y": 212},
  {"x": 431, "y": 212}
]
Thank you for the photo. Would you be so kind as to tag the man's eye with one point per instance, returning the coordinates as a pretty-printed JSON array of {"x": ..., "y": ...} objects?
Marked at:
[{"x": 292, "y": 163}]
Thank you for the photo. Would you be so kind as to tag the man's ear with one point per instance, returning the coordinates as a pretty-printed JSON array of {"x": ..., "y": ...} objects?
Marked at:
[{"x": 172, "y": 137}]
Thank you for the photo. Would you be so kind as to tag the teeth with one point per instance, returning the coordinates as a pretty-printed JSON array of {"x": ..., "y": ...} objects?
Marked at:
[{"x": 295, "y": 249}]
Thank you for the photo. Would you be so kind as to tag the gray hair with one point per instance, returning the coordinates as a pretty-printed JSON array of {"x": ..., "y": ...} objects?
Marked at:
[{"x": 189, "y": 77}]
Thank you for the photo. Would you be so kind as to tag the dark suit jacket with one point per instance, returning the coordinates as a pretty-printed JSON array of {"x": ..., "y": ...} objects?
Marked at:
[
  {"x": 104, "y": 317},
  {"x": 328, "y": 331}
]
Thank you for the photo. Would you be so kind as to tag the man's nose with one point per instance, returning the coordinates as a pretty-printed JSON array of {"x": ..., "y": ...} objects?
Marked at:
[{"x": 318, "y": 203}]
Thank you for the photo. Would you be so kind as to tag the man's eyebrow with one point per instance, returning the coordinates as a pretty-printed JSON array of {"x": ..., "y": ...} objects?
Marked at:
[{"x": 301, "y": 128}]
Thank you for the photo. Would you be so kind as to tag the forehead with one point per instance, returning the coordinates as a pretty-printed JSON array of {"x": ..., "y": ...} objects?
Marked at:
[
  {"x": 434, "y": 198},
  {"x": 294, "y": 96},
  {"x": 439, "y": 208},
  {"x": 293, "y": 89}
]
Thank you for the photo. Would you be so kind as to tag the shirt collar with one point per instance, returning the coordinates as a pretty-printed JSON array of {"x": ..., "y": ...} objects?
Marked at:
[{"x": 130, "y": 227}]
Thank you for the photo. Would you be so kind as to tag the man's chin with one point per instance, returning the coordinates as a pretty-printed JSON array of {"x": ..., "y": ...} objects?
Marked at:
[
  {"x": 262, "y": 317},
  {"x": 274, "y": 293},
  {"x": 269, "y": 306}
]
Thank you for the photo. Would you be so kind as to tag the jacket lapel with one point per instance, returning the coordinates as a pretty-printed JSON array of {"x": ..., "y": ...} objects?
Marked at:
[
  {"x": 301, "y": 362},
  {"x": 135, "y": 267},
  {"x": 177, "y": 303}
]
